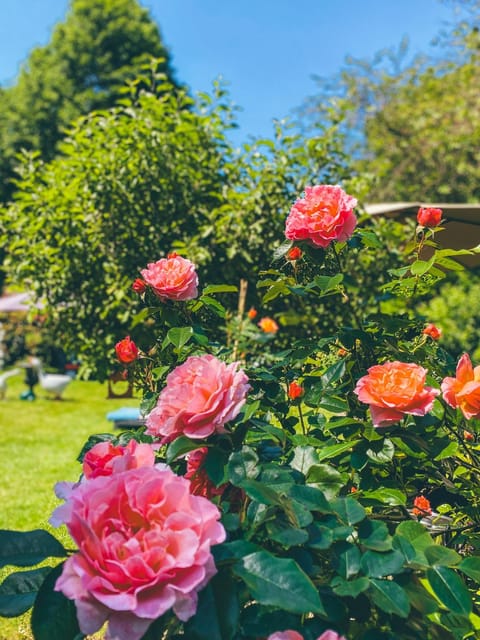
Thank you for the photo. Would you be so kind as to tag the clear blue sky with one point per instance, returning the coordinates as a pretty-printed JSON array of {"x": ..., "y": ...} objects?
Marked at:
[{"x": 267, "y": 50}]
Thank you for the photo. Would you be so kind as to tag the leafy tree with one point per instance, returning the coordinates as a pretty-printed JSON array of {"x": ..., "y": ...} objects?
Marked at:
[
  {"x": 90, "y": 56},
  {"x": 413, "y": 124},
  {"x": 131, "y": 184}
]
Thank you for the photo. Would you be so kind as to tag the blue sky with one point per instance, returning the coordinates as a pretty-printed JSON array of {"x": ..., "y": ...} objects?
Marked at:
[{"x": 267, "y": 50}]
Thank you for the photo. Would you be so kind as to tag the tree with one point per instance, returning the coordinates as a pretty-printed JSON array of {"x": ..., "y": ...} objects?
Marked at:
[
  {"x": 84, "y": 67},
  {"x": 413, "y": 124}
]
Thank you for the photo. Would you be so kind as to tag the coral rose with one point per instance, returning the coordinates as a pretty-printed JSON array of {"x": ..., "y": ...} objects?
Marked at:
[
  {"x": 429, "y": 216},
  {"x": 200, "y": 483},
  {"x": 126, "y": 350},
  {"x": 294, "y": 390},
  {"x": 323, "y": 216},
  {"x": 172, "y": 278},
  {"x": 199, "y": 398},
  {"x": 139, "y": 285},
  {"x": 394, "y": 389},
  {"x": 463, "y": 391},
  {"x": 421, "y": 506},
  {"x": 432, "y": 331},
  {"x": 104, "y": 458},
  {"x": 268, "y": 325},
  {"x": 144, "y": 547}
]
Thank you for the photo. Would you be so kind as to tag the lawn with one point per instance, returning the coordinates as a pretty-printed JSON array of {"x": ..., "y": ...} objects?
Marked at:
[{"x": 39, "y": 444}]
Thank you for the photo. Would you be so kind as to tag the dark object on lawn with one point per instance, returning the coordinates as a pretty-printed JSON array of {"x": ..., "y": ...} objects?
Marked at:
[{"x": 126, "y": 418}]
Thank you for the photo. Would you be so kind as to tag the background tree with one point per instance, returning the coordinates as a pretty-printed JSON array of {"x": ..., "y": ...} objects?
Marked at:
[
  {"x": 90, "y": 56},
  {"x": 414, "y": 124}
]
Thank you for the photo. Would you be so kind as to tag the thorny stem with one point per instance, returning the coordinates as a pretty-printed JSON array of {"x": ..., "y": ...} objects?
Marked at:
[{"x": 302, "y": 421}]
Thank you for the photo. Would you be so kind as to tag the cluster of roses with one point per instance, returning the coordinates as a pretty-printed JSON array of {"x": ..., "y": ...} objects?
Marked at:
[{"x": 144, "y": 534}]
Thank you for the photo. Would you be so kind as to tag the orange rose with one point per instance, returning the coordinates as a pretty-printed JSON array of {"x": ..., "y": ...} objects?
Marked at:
[
  {"x": 252, "y": 313},
  {"x": 126, "y": 350},
  {"x": 463, "y": 391},
  {"x": 433, "y": 331},
  {"x": 394, "y": 389},
  {"x": 429, "y": 216},
  {"x": 421, "y": 506},
  {"x": 268, "y": 325},
  {"x": 294, "y": 390}
]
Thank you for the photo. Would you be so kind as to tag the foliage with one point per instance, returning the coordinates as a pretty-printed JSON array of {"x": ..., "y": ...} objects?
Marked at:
[
  {"x": 84, "y": 67},
  {"x": 401, "y": 112},
  {"x": 316, "y": 502},
  {"x": 152, "y": 175}
]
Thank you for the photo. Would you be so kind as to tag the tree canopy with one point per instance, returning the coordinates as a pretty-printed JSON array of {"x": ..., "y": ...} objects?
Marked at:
[{"x": 84, "y": 67}]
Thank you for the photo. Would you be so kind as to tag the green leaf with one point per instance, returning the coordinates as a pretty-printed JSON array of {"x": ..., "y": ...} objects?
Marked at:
[
  {"x": 218, "y": 611},
  {"x": 349, "y": 510},
  {"x": 374, "y": 534},
  {"x": 260, "y": 492},
  {"x": 242, "y": 464},
  {"x": 304, "y": 458},
  {"x": 54, "y": 616},
  {"x": 386, "y": 495},
  {"x": 351, "y": 589},
  {"x": 450, "y": 590},
  {"x": 320, "y": 537},
  {"x": 311, "y": 498},
  {"x": 179, "y": 447},
  {"x": 230, "y": 551},
  {"x": 213, "y": 305},
  {"x": 178, "y": 336},
  {"x": 287, "y": 536},
  {"x": 389, "y": 597},
  {"x": 333, "y": 450},
  {"x": 418, "y": 537},
  {"x": 381, "y": 452},
  {"x": 438, "y": 555},
  {"x": 279, "y": 582},
  {"x": 19, "y": 590},
  {"x": 448, "y": 452},
  {"x": 27, "y": 548},
  {"x": 419, "y": 267},
  {"x": 326, "y": 478},
  {"x": 219, "y": 288},
  {"x": 471, "y": 567},
  {"x": 333, "y": 404},
  {"x": 347, "y": 559},
  {"x": 333, "y": 373},
  {"x": 379, "y": 565}
]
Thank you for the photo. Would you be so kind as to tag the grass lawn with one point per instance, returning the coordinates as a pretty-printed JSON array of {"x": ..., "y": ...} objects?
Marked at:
[{"x": 39, "y": 444}]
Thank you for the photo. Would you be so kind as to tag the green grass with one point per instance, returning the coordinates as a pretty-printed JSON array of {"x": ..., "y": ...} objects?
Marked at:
[{"x": 39, "y": 444}]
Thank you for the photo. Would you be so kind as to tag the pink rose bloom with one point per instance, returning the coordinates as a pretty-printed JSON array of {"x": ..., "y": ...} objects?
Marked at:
[
  {"x": 144, "y": 547},
  {"x": 172, "y": 278},
  {"x": 294, "y": 635},
  {"x": 324, "y": 215},
  {"x": 104, "y": 458},
  {"x": 394, "y": 389},
  {"x": 199, "y": 398},
  {"x": 463, "y": 391}
]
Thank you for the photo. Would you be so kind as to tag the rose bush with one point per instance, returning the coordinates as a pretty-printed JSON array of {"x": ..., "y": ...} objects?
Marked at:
[{"x": 325, "y": 489}]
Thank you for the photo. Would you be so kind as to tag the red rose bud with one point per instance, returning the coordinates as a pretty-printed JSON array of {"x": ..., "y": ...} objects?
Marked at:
[
  {"x": 433, "y": 331},
  {"x": 469, "y": 437},
  {"x": 421, "y": 506},
  {"x": 252, "y": 313},
  {"x": 429, "y": 216},
  {"x": 295, "y": 253},
  {"x": 126, "y": 350},
  {"x": 294, "y": 390},
  {"x": 139, "y": 285}
]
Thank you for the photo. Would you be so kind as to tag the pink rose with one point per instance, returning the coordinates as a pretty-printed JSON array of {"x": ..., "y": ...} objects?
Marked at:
[
  {"x": 144, "y": 547},
  {"x": 324, "y": 215},
  {"x": 199, "y": 398},
  {"x": 172, "y": 278},
  {"x": 463, "y": 391},
  {"x": 394, "y": 389},
  {"x": 285, "y": 635},
  {"x": 294, "y": 635},
  {"x": 104, "y": 458}
]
